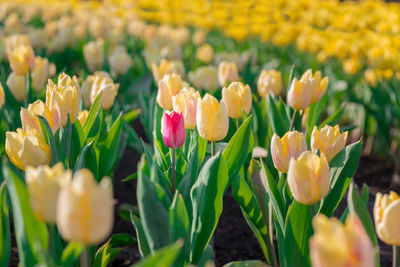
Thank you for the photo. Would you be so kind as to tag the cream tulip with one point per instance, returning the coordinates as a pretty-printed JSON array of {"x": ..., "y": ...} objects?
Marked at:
[
  {"x": 328, "y": 140},
  {"x": 237, "y": 99},
  {"x": 269, "y": 81},
  {"x": 17, "y": 86},
  {"x": 386, "y": 216},
  {"x": 227, "y": 72},
  {"x": 168, "y": 86},
  {"x": 40, "y": 73},
  {"x": 185, "y": 102},
  {"x": 94, "y": 54}
]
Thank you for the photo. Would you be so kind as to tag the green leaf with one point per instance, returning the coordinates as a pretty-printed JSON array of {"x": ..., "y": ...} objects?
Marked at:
[
  {"x": 71, "y": 254},
  {"x": 153, "y": 214},
  {"x": 31, "y": 235},
  {"x": 77, "y": 142},
  {"x": 80, "y": 163},
  {"x": 143, "y": 245},
  {"x": 206, "y": 196},
  {"x": 163, "y": 257},
  {"x": 333, "y": 119},
  {"x": 5, "y": 234},
  {"x": 115, "y": 245},
  {"x": 64, "y": 146},
  {"x": 132, "y": 115},
  {"x": 49, "y": 138},
  {"x": 237, "y": 149},
  {"x": 278, "y": 121},
  {"x": 342, "y": 167},
  {"x": 249, "y": 263},
  {"x": 178, "y": 218},
  {"x": 298, "y": 230},
  {"x": 93, "y": 115}
]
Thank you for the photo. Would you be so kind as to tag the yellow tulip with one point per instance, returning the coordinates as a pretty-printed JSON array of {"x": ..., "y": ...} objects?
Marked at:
[
  {"x": 82, "y": 117},
  {"x": 17, "y": 86},
  {"x": 16, "y": 40},
  {"x": 185, "y": 102},
  {"x": 108, "y": 90},
  {"x": 227, "y": 72},
  {"x": 86, "y": 89},
  {"x": 167, "y": 67},
  {"x": 64, "y": 97},
  {"x": 40, "y": 73},
  {"x": 237, "y": 98},
  {"x": 299, "y": 95},
  {"x": 291, "y": 145},
  {"x": 2, "y": 96},
  {"x": 386, "y": 215},
  {"x": 29, "y": 117},
  {"x": 120, "y": 61},
  {"x": 308, "y": 177},
  {"x": 205, "y": 77},
  {"x": 319, "y": 84},
  {"x": 22, "y": 59},
  {"x": 27, "y": 148},
  {"x": 199, "y": 37},
  {"x": 269, "y": 81},
  {"x": 85, "y": 209},
  {"x": 212, "y": 119},
  {"x": 205, "y": 53},
  {"x": 335, "y": 244},
  {"x": 328, "y": 140},
  {"x": 168, "y": 86},
  {"x": 44, "y": 184},
  {"x": 94, "y": 54}
]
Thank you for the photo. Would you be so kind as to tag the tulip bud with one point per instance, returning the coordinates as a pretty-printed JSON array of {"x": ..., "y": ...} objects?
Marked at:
[
  {"x": 108, "y": 90},
  {"x": 2, "y": 96},
  {"x": 167, "y": 67},
  {"x": 185, "y": 102},
  {"x": 168, "y": 87},
  {"x": 82, "y": 117},
  {"x": 85, "y": 209},
  {"x": 119, "y": 60},
  {"x": 386, "y": 215},
  {"x": 27, "y": 148},
  {"x": 94, "y": 54},
  {"x": 212, "y": 119},
  {"x": 64, "y": 97},
  {"x": 237, "y": 98},
  {"x": 299, "y": 95},
  {"x": 335, "y": 244},
  {"x": 269, "y": 81},
  {"x": 29, "y": 117},
  {"x": 199, "y": 37},
  {"x": 21, "y": 58},
  {"x": 328, "y": 141},
  {"x": 40, "y": 73},
  {"x": 173, "y": 129},
  {"x": 44, "y": 184},
  {"x": 291, "y": 145},
  {"x": 17, "y": 86},
  {"x": 205, "y": 53},
  {"x": 319, "y": 85},
  {"x": 227, "y": 72},
  {"x": 308, "y": 177},
  {"x": 204, "y": 78}
]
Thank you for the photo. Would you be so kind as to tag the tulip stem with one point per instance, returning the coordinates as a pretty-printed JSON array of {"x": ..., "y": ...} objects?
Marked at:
[
  {"x": 293, "y": 119},
  {"x": 212, "y": 148},
  {"x": 85, "y": 257},
  {"x": 237, "y": 124},
  {"x": 173, "y": 172},
  {"x": 395, "y": 256}
]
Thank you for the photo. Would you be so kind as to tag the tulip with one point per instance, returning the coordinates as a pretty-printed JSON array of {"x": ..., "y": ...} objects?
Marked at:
[
  {"x": 82, "y": 117},
  {"x": 86, "y": 89},
  {"x": 212, "y": 119},
  {"x": 119, "y": 60},
  {"x": 40, "y": 73},
  {"x": 44, "y": 184},
  {"x": 199, "y": 37},
  {"x": 94, "y": 54},
  {"x": 17, "y": 86},
  {"x": 167, "y": 67},
  {"x": 335, "y": 244},
  {"x": 205, "y": 77},
  {"x": 29, "y": 117},
  {"x": 205, "y": 53},
  {"x": 22, "y": 59},
  {"x": 64, "y": 97},
  {"x": 108, "y": 90},
  {"x": 328, "y": 140},
  {"x": 319, "y": 84},
  {"x": 269, "y": 81},
  {"x": 2, "y": 96},
  {"x": 237, "y": 98},
  {"x": 27, "y": 148},
  {"x": 185, "y": 102},
  {"x": 15, "y": 40},
  {"x": 85, "y": 209},
  {"x": 291, "y": 145},
  {"x": 308, "y": 177},
  {"x": 386, "y": 215},
  {"x": 299, "y": 95},
  {"x": 227, "y": 72},
  {"x": 173, "y": 129},
  {"x": 168, "y": 86}
]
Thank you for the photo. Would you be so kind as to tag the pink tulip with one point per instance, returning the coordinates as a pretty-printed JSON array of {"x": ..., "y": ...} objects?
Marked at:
[{"x": 173, "y": 129}]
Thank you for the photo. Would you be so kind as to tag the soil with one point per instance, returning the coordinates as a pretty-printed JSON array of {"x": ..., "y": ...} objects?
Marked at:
[{"x": 233, "y": 239}]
